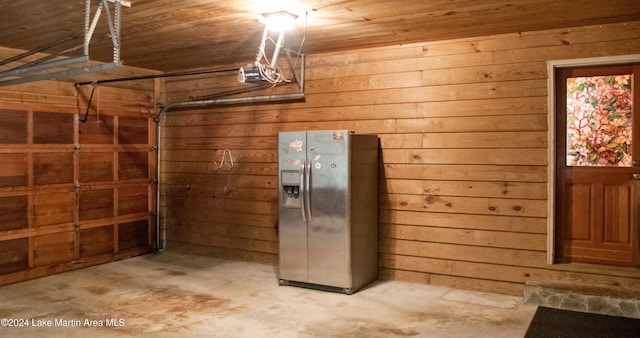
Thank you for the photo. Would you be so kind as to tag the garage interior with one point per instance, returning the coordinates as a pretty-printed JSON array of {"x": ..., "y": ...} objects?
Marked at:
[{"x": 139, "y": 176}]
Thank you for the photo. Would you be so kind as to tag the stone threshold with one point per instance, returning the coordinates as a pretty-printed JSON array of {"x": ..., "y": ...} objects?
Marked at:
[{"x": 590, "y": 298}]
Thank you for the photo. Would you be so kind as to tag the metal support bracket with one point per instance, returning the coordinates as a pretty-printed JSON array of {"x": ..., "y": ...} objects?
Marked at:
[
  {"x": 299, "y": 78},
  {"x": 44, "y": 69}
]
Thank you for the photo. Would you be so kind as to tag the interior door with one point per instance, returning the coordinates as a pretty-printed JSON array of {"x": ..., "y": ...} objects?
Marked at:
[{"x": 597, "y": 165}]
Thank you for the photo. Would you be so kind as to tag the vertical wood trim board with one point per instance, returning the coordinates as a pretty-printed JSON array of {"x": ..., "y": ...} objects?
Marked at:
[{"x": 463, "y": 126}]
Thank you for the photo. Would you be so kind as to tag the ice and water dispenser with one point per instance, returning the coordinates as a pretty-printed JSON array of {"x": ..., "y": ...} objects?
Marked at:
[{"x": 291, "y": 188}]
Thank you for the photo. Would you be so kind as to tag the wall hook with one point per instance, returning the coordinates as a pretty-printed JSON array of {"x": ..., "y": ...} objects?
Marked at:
[{"x": 222, "y": 160}]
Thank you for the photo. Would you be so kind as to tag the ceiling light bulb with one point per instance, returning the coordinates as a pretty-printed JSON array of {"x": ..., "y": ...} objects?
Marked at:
[{"x": 279, "y": 21}]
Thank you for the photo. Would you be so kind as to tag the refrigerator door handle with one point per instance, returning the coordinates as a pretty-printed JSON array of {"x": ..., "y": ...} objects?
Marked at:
[
  {"x": 308, "y": 188},
  {"x": 302, "y": 189}
]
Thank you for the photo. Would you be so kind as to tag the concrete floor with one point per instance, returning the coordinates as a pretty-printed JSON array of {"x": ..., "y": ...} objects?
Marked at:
[{"x": 177, "y": 295}]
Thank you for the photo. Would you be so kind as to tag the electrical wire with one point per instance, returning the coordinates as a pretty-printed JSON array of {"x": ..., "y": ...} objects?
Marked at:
[
  {"x": 98, "y": 107},
  {"x": 268, "y": 70},
  {"x": 271, "y": 74},
  {"x": 86, "y": 113}
]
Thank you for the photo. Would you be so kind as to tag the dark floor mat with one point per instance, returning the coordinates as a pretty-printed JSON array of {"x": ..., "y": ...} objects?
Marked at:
[{"x": 548, "y": 322}]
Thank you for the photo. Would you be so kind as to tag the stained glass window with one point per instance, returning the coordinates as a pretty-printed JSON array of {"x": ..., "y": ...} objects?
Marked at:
[{"x": 599, "y": 121}]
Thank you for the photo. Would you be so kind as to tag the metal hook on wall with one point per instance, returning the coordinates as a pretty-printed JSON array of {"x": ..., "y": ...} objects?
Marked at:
[{"x": 224, "y": 155}]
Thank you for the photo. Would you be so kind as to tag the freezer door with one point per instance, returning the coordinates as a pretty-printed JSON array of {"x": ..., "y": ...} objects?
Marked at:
[
  {"x": 292, "y": 225},
  {"x": 329, "y": 233}
]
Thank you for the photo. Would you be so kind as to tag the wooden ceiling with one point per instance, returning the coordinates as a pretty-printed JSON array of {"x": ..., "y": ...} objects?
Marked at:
[{"x": 170, "y": 35}]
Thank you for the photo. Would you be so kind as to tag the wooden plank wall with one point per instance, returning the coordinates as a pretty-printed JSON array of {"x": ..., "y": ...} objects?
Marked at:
[
  {"x": 74, "y": 194},
  {"x": 463, "y": 172}
]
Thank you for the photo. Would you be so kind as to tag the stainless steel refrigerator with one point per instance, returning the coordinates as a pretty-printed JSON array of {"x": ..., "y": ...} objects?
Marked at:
[{"x": 328, "y": 209}]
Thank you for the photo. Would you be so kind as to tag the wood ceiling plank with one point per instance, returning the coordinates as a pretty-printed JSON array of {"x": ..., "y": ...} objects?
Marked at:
[{"x": 168, "y": 35}]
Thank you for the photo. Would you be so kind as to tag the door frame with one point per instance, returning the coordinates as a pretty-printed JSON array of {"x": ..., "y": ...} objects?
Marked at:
[{"x": 552, "y": 65}]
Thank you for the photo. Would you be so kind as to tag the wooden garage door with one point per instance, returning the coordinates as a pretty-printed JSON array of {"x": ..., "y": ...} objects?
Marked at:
[{"x": 72, "y": 193}]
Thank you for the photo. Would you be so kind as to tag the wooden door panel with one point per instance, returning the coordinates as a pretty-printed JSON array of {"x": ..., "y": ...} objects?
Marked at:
[
  {"x": 617, "y": 214},
  {"x": 597, "y": 223},
  {"x": 579, "y": 196}
]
